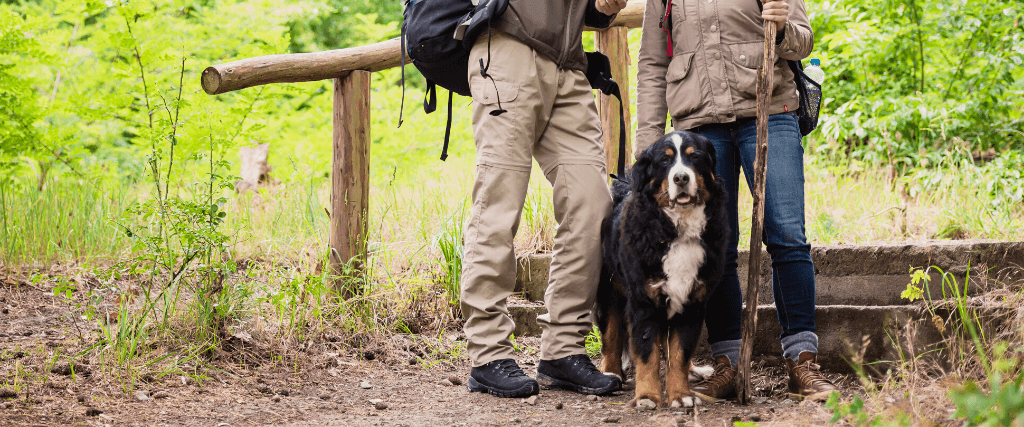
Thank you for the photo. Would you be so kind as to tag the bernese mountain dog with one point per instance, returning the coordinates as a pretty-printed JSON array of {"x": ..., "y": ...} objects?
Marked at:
[{"x": 664, "y": 254}]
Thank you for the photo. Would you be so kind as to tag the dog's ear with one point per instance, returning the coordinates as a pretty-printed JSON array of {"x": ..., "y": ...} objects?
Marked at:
[
  {"x": 710, "y": 150},
  {"x": 640, "y": 175}
]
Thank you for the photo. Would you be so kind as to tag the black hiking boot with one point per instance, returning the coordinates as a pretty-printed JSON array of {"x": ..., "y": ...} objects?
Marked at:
[
  {"x": 576, "y": 373},
  {"x": 502, "y": 378}
]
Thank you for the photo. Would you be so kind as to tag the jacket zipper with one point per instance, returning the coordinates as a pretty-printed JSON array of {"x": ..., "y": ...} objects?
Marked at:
[
  {"x": 667, "y": 19},
  {"x": 565, "y": 44}
]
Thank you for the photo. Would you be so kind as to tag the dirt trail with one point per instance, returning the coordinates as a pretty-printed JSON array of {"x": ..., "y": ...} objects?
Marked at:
[{"x": 311, "y": 388}]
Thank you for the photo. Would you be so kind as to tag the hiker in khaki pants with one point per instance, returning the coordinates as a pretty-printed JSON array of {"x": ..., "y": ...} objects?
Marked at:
[{"x": 534, "y": 102}]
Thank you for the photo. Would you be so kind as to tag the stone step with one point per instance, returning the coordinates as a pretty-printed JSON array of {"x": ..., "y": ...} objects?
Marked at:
[
  {"x": 876, "y": 334},
  {"x": 860, "y": 275}
]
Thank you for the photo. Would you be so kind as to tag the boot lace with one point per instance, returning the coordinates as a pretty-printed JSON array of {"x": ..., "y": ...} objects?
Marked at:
[
  {"x": 719, "y": 378},
  {"x": 510, "y": 368},
  {"x": 588, "y": 366},
  {"x": 809, "y": 373}
]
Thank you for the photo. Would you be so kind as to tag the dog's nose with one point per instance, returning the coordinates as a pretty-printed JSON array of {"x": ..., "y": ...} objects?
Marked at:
[{"x": 681, "y": 179}]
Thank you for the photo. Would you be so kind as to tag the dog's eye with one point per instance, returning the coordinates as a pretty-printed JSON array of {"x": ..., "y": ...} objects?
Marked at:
[{"x": 695, "y": 154}]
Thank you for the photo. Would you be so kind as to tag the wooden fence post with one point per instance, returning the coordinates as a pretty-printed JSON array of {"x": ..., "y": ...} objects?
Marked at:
[
  {"x": 614, "y": 42},
  {"x": 350, "y": 176}
]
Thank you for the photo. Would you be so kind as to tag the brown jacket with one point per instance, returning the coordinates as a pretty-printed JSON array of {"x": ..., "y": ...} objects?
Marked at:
[
  {"x": 717, "y": 46},
  {"x": 554, "y": 28}
]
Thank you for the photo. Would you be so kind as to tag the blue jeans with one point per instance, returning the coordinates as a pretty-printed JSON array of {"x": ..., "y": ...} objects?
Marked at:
[{"x": 792, "y": 268}]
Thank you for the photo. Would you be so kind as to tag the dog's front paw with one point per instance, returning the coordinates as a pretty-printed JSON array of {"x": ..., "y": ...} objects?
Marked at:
[
  {"x": 686, "y": 402},
  {"x": 644, "y": 404}
]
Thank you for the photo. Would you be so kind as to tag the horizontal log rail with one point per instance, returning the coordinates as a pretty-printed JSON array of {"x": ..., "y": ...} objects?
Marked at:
[{"x": 331, "y": 64}]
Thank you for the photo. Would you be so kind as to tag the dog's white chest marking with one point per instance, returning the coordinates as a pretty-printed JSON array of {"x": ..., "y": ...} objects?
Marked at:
[{"x": 684, "y": 257}]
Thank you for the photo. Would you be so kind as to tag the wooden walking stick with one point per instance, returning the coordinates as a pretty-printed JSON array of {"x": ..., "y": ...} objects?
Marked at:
[{"x": 765, "y": 75}]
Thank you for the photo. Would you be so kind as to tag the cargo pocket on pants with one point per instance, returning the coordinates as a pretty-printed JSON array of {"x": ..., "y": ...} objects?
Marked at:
[{"x": 496, "y": 135}]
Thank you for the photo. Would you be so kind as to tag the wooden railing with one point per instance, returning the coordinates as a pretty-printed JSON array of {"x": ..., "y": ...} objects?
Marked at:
[{"x": 350, "y": 69}]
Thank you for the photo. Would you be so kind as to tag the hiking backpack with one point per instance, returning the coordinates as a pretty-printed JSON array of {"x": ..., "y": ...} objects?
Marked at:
[{"x": 437, "y": 35}]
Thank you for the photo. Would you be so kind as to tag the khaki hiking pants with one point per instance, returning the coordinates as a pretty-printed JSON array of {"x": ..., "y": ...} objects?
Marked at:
[{"x": 551, "y": 116}]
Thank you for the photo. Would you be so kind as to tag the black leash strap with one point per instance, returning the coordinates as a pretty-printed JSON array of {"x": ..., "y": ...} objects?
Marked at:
[
  {"x": 622, "y": 134},
  {"x": 430, "y": 98},
  {"x": 599, "y": 74},
  {"x": 447, "y": 129}
]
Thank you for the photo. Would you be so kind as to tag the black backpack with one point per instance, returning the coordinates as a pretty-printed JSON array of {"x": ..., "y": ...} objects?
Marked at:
[{"x": 438, "y": 35}]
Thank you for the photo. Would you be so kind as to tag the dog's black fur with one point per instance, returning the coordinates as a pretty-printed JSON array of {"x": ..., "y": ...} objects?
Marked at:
[{"x": 636, "y": 240}]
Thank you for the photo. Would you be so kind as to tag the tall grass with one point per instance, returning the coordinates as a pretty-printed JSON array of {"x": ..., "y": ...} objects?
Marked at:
[
  {"x": 69, "y": 220},
  {"x": 72, "y": 220}
]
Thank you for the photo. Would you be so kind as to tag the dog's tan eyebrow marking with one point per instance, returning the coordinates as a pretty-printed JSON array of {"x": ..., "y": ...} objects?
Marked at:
[
  {"x": 669, "y": 151},
  {"x": 690, "y": 150}
]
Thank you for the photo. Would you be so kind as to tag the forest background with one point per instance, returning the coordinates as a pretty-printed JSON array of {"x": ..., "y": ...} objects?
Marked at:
[{"x": 101, "y": 110}]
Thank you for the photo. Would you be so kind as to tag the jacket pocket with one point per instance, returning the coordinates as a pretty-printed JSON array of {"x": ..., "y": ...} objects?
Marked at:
[
  {"x": 746, "y": 57},
  {"x": 679, "y": 67},
  {"x": 483, "y": 91},
  {"x": 683, "y": 93}
]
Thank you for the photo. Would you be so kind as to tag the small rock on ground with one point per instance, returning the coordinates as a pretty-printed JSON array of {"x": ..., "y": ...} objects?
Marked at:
[
  {"x": 591, "y": 397},
  {"x": 92, "y": 412},
  {"x": 142, "y": 395},
  {"x": 325, "y": 396},
  {"x": 559, "y": 405},
  {"x": 455, "y": 380},
  {"x": 6, "y": 394},
  {"x": 379, "y": 404},
  {"x": 161, "y": 395},
  {"x": 5, "y": 405},
  {"x": 447, "y": 383},
  {"x": 276, "y": 398},
  {"x": 610, "y": 420},
  {"x": 760, "y": 400},
  {"x": 66, "y": 368},
  {"x": 532, "y": 400},
  {"x": 365, "y": 385}
]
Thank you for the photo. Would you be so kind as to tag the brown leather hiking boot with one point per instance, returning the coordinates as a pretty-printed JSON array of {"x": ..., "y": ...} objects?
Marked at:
[
  {"x": 719, "y": 385},
  {"x": 806, "y": 380}
]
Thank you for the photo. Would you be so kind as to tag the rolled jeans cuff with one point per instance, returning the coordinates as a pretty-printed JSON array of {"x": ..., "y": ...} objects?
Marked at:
[{"x": 798, "y": 343}]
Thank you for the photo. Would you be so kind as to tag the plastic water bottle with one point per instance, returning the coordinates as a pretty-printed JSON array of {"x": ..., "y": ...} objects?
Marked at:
[{"x": 814, "y": 71}]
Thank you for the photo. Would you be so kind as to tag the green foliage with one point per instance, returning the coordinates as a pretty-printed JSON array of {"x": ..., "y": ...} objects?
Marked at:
[
  {"x": 909, "y": 79},
  {"x": 1002, "y": 404},
  {"x": 19, "y": 107},
  {"x": 853, "y": 411},
  {"x": 335, "y": 24},
  {"x": 450, "y": 243},
  {"x": 593, "y": 342},
  {"x": 914, "y": 292}
]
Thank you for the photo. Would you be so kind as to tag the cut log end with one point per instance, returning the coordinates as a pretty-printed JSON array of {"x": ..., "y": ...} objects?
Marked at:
[{"x": 211, "y": 81}]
